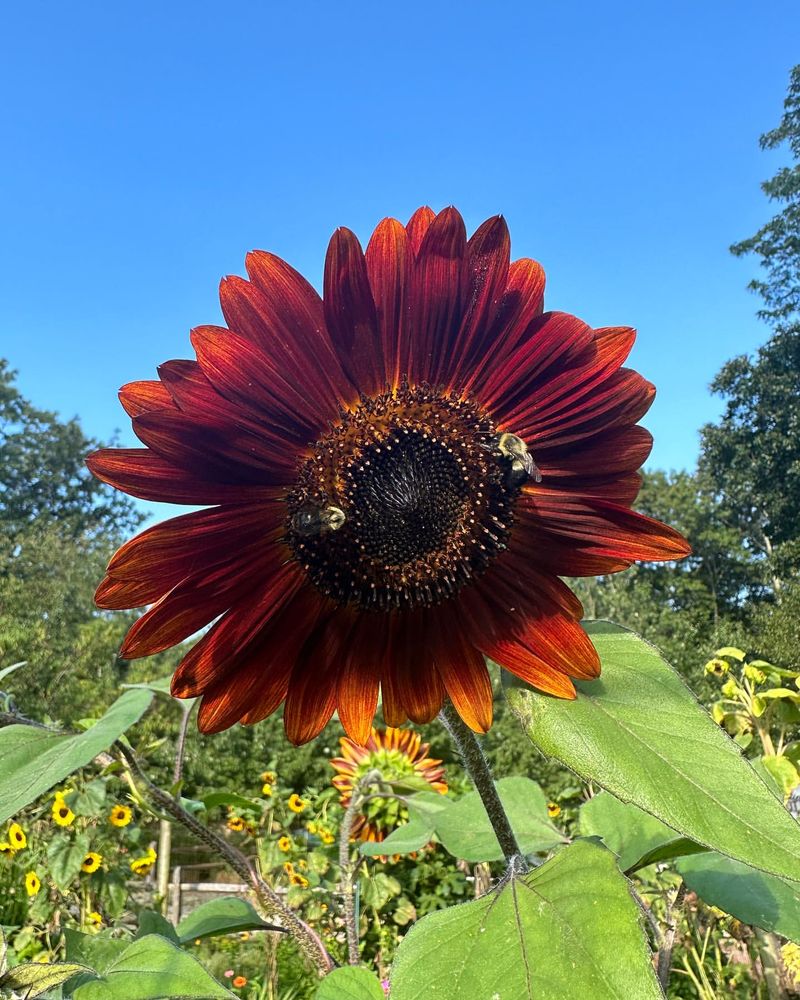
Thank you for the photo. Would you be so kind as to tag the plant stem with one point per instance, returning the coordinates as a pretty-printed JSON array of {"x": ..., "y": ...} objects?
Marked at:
[
  {"x": 347, "y": 868},
  {"x": 667, "y": 942},
  {"x": 477, "y": 768},
  {"x": 308, "y": 940}
]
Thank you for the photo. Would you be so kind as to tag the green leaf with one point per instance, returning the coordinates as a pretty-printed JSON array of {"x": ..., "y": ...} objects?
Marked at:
[
  {"x": 230, "y": 799},
  {"x": 33, "y": 760},
  {"x": 90, "y": 800},
  {"x": 406, "y": 839},
  {"x": 731, "y": 651},
  {"x": 222, "y": 916},
  {"x": 637, "y": 838},
  {"x": 351, "y": 983},
  {"x": 465, "y": 831},
  {"x": 640, "y": 733},
  {"x": 378, "y": 888},
  {"x": 567, "y": 929},
  {"x": 65, "y": 856},
  {"x": 97, "y": 951},
  {"x": 161, "y": 685},
  {"x": 782, "y": 771},
  {"x": 152, "y": 922},
  {"x": 150, "y": 969},
  {"x": 36, "y": 978},
  {"x": 752, "y": 897},
  {"x": 10, "y": 670}
]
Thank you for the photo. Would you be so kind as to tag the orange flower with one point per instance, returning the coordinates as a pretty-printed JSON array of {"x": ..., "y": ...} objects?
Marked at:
[
  {"x": 238, "y": 982},
  {"x": 397, "y": 754},
  {"x": 468, "y": 450}
]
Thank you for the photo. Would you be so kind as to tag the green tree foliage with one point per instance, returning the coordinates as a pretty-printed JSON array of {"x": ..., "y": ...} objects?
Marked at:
[
  {"x": 58, "y": 526},
  {"x": 43, "y": 479},
  {"x": 752, "y": 454}
]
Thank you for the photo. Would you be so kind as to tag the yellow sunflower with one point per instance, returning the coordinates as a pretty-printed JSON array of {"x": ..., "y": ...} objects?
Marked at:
[
  {"x": 236, "y": 823},
  {"x": 120, "y": 816},
  {"x": 91, "y": 862},
  {"x": 284, "y": 844},
  {"x": 141, "y": 866},
  {"x": 94, "y": 919},
  {"x": 296, "y": 879},
  {"x": 553, "y": 810},
  {"x": 296, "y": 804},
  {"x": 32, "y": 883},
  {"x": 6, "y": 849},
  {"x": 62, "y": 814},
  {"x": 16, "y": 837}
]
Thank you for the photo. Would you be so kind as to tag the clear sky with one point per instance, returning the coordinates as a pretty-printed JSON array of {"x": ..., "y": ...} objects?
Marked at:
[{"x": 144, "y": 148}]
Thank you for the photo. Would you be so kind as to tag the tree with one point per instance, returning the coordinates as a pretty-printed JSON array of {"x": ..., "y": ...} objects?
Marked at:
[
  {"x": 752, "y": 455},
  {"x": 43, "y": 479}
]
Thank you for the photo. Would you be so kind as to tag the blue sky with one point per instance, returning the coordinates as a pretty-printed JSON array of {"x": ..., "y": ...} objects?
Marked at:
[{"x": 147, "y": 147}]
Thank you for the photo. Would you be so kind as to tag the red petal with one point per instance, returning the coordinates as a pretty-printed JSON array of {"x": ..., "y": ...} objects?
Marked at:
[
  {"x": 210, "y": 447},
  {"x": 241, "y": 372},
  {"x": 359, "y": 680},
  {"x": 513, "y": 656},
  {"x": 488, "y": 253},
  {"x": 238, "y": 634},
  {"x": 141, "y": 397},
  {"x": 621, "y": 450},
  {"x": 389, "y": 258},
  {"x": 414, "y": 679},
  {"x": 141, "y": 473},
  {"x": 199, "y": 599},
  {"x": 200, "y": 539},
  {"x": 119, "y": 595},
  {"x": 466, "y": 679},
  {"x": 418, "y": 225},
  {"x": 604, "y": 528},
  {"x": 311, "y": 699},
  {"x": 350, "y": 313},
  {"x": 439, "y": 289},
  {"x": 556, "y": 341},
  {"x": 617, "y": 400},
  {"x": 282, "y": 315}
]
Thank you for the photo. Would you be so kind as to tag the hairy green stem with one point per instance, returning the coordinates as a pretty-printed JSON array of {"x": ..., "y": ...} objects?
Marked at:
[
  {"x": 308, "y": 940},
  {"x": 477, "y": 768}
]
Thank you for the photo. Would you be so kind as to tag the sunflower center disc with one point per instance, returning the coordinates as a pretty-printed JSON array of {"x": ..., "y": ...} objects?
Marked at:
[{"x": 404, "y": 501}]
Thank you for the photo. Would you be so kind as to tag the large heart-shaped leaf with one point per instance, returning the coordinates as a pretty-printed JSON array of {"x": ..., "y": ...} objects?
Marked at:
[
  {"x": 33, "y": 760},
  {"x": 423, "y": 810},
  {"x": 150, "y": 969},
  {"x": 350, "y": 983},
  {"x": 567, "y": 929},
  {"x": 640, "y": 733}
]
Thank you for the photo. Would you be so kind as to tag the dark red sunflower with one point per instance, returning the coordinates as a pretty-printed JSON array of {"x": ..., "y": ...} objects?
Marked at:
[{"x": 396, "y": 476}]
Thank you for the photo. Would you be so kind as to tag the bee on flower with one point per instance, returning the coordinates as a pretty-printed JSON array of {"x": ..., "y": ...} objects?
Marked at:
[
  {"x": 16, "y": 837},
  {"x": 120, "y": 816}
]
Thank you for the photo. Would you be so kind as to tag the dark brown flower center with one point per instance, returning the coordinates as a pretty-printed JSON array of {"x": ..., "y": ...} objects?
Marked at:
[{"x": 407, "y": 499}]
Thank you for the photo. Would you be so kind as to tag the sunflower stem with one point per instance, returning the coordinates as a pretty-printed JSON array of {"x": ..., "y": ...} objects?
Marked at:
[
  {"x": 477, "y": 767},
  {"x": 348, "y": 869},
  {"x": 307, "y": 939}
]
